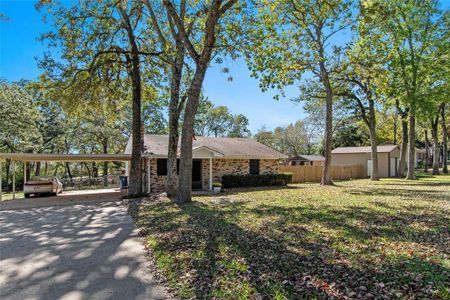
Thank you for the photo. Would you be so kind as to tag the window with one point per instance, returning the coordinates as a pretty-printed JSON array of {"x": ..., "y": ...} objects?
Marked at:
[
  {"x": 254, "y": 166},
  {"x": 161, "y": 167}
]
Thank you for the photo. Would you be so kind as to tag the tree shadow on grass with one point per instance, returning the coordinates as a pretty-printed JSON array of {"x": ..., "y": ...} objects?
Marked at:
[
  {"x": 412, "y": 194},
  {"x": 225, "y": 260},
  {"x": 232, "y": 191},
  {"x": 418, "y": 183},
  {"x": 413, "y": 224}
]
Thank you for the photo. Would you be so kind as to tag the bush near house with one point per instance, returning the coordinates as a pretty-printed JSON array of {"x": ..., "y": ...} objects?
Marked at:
[{"x": 238, "y": 180}]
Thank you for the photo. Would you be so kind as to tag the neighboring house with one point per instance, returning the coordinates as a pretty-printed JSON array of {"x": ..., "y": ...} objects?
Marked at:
[
  {"x": 388, "y": 157},
  {"x": 306, "y": 160},
  {"x": 212, "y": 158}
]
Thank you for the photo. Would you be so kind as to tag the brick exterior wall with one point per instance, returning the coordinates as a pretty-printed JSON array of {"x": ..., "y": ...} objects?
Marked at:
[
  {"x": 157, "y": 183},
  {"x": 221, "y": 166}
]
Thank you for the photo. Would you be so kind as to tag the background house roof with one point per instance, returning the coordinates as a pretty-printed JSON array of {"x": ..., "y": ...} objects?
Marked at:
[
  {"x": 380, "y": 149},
  {"x": 230, "y": 147},
  {"x": 308, "y": 157}
]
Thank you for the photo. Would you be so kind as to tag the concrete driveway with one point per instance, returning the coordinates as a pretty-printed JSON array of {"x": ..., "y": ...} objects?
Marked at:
[{"x": 81, "y": 251}]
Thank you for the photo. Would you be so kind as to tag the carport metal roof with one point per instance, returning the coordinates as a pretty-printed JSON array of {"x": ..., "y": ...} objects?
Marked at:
[{"x": 65, "y": 157}]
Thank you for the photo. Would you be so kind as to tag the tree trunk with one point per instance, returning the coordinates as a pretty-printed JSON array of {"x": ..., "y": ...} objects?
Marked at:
[
  {"x": 435, "y": 139},
  {"x": 134, "y": 73},
  {"x": 68, "y": 172},
  {"x": 444, "y": 141},
  {"x": 28, "y": 170},
  {"x": 395, "y": 123},
  {"x": 187, "y": 135},
  {"x": 403, "y": 149},
  {"x": 373, "y": 141},
  {"x": 105, "y": 173},
  {"x": 175, "y": 107},
  {"x": 326, "y": 177},
  {"x": 88, "y": 170},
  {"x": 427, "y": 149},
  {"x": 411, "y": 146},
  {"x": 135, "y": 182},
  {"x": 328, "y": 137},
  {"x": 94, "y": 170},
  {"x": 201, "y": 61},
  {"x": 37, "y": 171}
]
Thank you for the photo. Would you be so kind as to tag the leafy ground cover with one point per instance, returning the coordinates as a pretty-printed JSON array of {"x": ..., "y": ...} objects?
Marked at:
[
  {"x": 9, "y": 196},
  {"x": 359, "y": 239}
]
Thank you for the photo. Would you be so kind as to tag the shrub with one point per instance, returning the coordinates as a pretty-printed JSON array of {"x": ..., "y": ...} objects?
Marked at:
[
  {"x": 217, "y": 184},
  {"x": 238, "y": 180}
]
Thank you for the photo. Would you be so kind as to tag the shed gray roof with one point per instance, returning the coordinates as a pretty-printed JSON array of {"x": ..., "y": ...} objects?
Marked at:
[
  {"x": 308, "y": 157},
  {"x": 230, "y": 147},
  {"x": 380, "y": 149}
]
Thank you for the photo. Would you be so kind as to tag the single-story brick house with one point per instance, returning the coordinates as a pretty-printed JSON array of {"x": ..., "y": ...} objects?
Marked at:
[
  {"x": 306, "y": 160},
  {"x": 212, "y": 158},
  {"x": 388, "y": 156}
]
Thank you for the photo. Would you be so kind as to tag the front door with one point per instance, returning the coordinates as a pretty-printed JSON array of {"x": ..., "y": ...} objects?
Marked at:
[{"x": 197, "y": 174}]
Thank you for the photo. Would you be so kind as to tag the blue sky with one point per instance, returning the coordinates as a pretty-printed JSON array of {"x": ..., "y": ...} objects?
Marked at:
[{"x": 19, "y": 47}]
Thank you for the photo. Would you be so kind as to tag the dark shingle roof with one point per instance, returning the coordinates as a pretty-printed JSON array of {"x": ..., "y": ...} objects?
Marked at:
[{"x": 229, "y": 147}]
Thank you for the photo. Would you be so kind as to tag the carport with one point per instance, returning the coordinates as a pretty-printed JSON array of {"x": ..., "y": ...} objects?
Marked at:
[{"x": 43, "y": 157}]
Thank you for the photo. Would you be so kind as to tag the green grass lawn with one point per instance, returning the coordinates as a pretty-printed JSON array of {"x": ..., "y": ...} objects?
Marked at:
[{"x": 358, "y": 239}]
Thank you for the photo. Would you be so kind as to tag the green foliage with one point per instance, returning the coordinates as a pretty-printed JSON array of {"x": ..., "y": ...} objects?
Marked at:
[
  {"x": 217, "y": 184},
  {"x": 265, "y": 137},
  {"x": 408, "y": 32},
  {"x": 246, "y": 180},
  {"x": 301, "y": 137},
  {"x": 349, "y": 134},
  {"x": 91, "y": 46},
  {"x": 20, "y": 119},
  {"x": 293, "y": 38},
  {"x": 218, "y": 121}
]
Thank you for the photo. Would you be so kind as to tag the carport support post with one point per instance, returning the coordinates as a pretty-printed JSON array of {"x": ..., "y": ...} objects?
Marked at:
[
  {"x": 210, "y": 174},
  {"x": 14, "y": 178},
  {"x": 148, "y": 176},
  {"x": 24, "y": 173},
  {"x": 1, "y": 172}
]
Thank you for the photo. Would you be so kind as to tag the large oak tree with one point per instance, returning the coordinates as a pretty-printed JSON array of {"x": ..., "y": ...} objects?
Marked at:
[
  {"x": 102, "y": 43},
  {"x": 298, "y": 37}
]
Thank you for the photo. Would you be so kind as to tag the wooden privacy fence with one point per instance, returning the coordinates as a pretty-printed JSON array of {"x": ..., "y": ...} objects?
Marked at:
[{"x": 314, "y": 173}]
